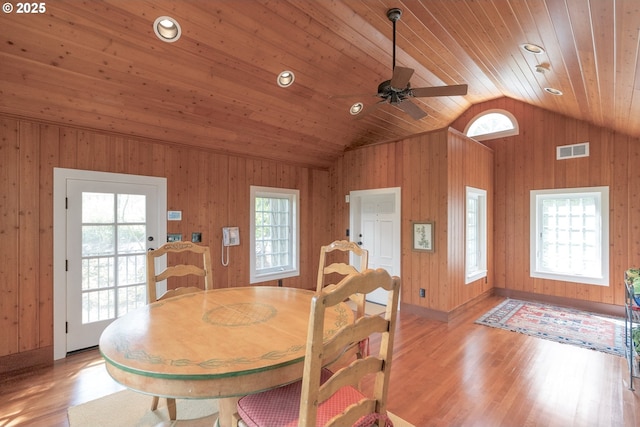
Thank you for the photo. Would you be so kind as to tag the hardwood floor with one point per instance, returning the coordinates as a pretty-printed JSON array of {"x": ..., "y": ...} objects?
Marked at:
[{"x": 455, "y": 374}]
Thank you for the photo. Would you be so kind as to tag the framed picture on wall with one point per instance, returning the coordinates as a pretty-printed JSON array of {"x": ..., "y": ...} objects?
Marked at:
[{"x": 423, "y": 236}]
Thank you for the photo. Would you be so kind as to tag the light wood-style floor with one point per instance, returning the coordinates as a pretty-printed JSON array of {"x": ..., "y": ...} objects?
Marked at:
[{"x": 455, "y": 374}]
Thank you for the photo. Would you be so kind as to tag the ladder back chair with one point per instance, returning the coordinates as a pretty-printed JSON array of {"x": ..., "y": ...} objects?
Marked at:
[
  {"x": 203, "y": 269},
  {"x": 341, "y": 268},
  {"x": 333, "y": 399}
]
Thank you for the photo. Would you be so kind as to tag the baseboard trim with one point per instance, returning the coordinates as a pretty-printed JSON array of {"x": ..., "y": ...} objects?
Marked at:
[
  {"x": 464, "y": 307},
  {"x": 444, "y": 316},
  {"x": 427, "y": 313},
  {"x": 16, "y": 362},
  {"x": 591, "y": 306}
]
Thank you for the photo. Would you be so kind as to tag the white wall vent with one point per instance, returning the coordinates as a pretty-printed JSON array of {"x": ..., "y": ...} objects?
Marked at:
[{"x": 572, "y": 151}]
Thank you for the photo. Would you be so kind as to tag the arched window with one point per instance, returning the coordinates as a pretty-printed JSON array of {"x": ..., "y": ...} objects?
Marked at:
[{"x": 492, "y": 124}]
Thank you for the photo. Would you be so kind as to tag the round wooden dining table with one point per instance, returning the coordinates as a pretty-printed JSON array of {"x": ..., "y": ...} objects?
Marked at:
[{"x": 221, "y": 343}]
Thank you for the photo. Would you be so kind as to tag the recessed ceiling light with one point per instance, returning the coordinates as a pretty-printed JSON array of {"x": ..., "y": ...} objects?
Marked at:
[
  {"x": 356, "y": 108},
  {"x": 286, "y": 78},
  {"x": 532, "y": 48},
  {"x": 553, "y": 91},
  {"x": 542, "y": 68},
  {"x": 167, "y": 29}
]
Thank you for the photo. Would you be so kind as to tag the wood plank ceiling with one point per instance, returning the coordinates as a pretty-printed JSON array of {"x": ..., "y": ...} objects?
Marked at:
[{"x": 98, "y": 64}]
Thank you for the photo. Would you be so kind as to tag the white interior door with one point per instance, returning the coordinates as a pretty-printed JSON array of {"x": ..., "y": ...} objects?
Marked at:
[
  {"x": 108, "y": 225},
  {"x": 375, "y": 223}
]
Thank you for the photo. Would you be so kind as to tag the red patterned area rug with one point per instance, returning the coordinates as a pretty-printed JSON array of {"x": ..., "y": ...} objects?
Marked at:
[{"x": 559, "y": 324}]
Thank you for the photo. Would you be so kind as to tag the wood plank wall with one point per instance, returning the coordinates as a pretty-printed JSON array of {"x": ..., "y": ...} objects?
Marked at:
[
  {"x": 432, "y": 169},
  {"x": 211, "y": 190},
  {"x": 469, "y": 164},
  {"x": 528, "y": 161}
]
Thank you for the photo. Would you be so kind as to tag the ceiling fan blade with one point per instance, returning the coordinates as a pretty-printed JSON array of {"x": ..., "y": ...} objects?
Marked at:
[
  {"x": 452, "y": 90},
  {"x": 401, "y": 77},
  {"x": 411, "y": 109}
]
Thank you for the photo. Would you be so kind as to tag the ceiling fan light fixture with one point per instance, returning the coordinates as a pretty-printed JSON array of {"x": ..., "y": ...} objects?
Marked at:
[
  {"x": 167, "y": 29},
  {"x": 553, "y": 91},
  {"x": 286, "y": 78},
  {"x": 356, "y": 108},
  {"x": 532, "y": 48}
]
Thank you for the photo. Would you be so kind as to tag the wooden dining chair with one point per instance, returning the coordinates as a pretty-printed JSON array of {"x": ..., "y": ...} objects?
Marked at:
[
  {"x": 342, "y": 268},
  {"x": 203, "y": 270},
  {"x": 334, "y": 399}
]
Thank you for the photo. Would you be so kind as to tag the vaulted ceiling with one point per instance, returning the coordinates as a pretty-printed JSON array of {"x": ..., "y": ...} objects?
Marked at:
[{"x": 99, "y": 64}]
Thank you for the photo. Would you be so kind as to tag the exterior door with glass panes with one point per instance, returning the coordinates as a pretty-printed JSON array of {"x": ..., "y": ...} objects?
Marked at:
[{"x": 110, "y": 227}]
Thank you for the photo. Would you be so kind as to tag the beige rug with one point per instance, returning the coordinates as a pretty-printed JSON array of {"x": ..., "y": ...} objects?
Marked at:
[{"x": 130, "y": 409}]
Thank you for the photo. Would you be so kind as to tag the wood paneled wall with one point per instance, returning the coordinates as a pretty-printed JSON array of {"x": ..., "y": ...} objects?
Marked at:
[
  {"x": 528, "y": 162},
  {"x": 211, "y": 190},
  {"x": 469, "y": 164},
  {"x": 432, "y": 169}
]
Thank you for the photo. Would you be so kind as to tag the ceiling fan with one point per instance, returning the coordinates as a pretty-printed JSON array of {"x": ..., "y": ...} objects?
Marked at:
[{"x": 398, "y": 90}]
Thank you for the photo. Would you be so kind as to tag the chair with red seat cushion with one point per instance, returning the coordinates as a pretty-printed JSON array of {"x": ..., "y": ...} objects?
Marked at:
[{"x": 323, "y": 398}]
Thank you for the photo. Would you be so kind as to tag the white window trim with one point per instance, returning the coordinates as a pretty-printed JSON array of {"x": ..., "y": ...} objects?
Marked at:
[
  {"x": 494, "y": 135},
  {"x": 294, "y": 269},
  {"x": 481, "y": 196},
  {"x": 535, "y": 196}
]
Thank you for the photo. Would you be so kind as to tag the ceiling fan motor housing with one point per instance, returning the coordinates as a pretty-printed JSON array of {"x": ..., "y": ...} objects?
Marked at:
[{"x": 391, "y": 94}]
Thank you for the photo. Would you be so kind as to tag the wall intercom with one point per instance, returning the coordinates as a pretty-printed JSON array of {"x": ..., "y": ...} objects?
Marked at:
[{"x": 230, "y": 237}]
